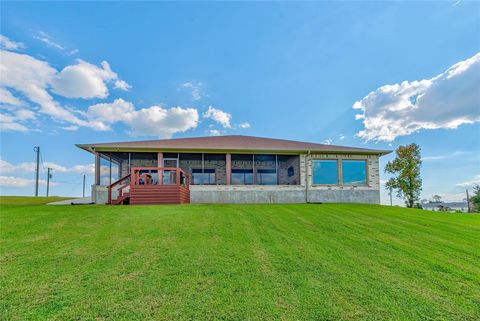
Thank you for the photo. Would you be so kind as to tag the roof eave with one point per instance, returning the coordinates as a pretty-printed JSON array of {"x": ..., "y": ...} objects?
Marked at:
[{"x": 93, "y": 149}]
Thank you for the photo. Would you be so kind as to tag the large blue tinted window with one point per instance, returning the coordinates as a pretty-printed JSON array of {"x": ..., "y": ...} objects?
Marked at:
[
  {"x": 325, "y": 172},
  {"x": 354, "y": 172}
]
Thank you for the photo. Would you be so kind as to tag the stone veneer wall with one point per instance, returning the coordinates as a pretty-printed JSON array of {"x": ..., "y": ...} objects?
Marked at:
[{"x": 369, "y": 193}]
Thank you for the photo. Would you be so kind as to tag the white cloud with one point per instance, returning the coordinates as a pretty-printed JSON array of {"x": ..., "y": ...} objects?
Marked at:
[
  {"x": 50, "y": 42},
  {"x": 445, "y": 101},
  {"x": 15, "y": 120},
  {"x": 84, "y": 80},
  {"x": 122, "y": 84},
  {"x": 33, "y": 78},
  {"x": 449, "y": 155},
  {"x": 8, "y": 44},
  {"x": 162, "y": 122},
  {"x": 19, "y": 182},
  {"x": 219, "y": 116},
  {"x": 84, "y": 169},
  {"x": 151, "y": 121},
  {"x": 7, "y": 98},
  {"x": 8, "y": 168},
  {"x": 109, "y": 113},
  {"x": 13, "y": 127},
  {"x": 214, "y": 132},
  {"x": 70, "y": 128},
  {"x": 195, "y": 89},
  {"x": 244, "y": 125},
  {"x": 328, "y": 141},
  {"x": 474, "y": 181}
]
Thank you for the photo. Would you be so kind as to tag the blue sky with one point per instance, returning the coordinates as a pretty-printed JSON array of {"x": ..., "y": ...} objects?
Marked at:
[{"x": 93, "y": 72}]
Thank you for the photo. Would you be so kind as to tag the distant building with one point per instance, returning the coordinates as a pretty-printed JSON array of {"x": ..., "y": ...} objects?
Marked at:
[{"x": 446, "y": 206}]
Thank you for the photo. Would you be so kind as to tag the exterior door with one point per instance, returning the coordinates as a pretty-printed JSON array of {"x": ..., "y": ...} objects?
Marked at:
[{"x": 170, "y": 176}]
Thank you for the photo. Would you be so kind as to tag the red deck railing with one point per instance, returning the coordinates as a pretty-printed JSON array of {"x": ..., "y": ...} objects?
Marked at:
[
  {"x": 125, "y": 181},
  {"x": 151, "y": 178},
  {"x": 159, "y": 176}
]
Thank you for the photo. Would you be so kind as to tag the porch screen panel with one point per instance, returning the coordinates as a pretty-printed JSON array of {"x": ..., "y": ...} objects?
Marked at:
[
  {"x": 288, "y": 169},
  {"x": 104, "y": 170},
  {"x": 122, "y": 162},
  {"x": 205, "y": 177},
  {"x": 216, "y": 164},
  {"x": 118, "y": 162},
  {"x": 242, "y": 169},
  {"x": 115, "y": 171},
  {"x": 143, "y": 159},
  {"x": 190, "y": 162},
  {"x": 266, "y": 169}
]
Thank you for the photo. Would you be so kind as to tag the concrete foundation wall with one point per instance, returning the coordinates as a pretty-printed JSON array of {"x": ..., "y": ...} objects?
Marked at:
[
  {"x": 279, "y": 194},
  {"x": 247, "y": 194},
  {"x": 99, "y": 194},
  {"x": 344, "y": 196}
]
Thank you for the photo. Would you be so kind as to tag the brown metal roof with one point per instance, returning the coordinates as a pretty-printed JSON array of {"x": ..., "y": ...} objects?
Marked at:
[{"x": 226, "y": 143}]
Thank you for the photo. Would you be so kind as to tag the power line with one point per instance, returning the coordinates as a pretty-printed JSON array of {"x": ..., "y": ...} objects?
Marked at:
[{"x": 41, "y": 160}]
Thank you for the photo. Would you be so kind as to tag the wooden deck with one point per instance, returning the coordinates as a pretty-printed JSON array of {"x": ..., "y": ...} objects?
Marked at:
[
  {"x": 159, "y": 194},
  {"x": 151, "y": 185}
]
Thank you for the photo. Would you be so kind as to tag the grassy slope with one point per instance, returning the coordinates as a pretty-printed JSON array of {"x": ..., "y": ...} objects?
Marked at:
[
  {"x": 238, "y": 262},
  {"x": 27, "y": 200}
]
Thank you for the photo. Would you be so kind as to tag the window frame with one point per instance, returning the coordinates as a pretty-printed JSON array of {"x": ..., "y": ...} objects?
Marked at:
[
  {"x": 365, "y": 161},
  {"x": 338, "y": 171}
]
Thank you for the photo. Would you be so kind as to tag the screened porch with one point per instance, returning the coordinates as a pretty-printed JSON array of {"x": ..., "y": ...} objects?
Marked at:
[{"x": 203, "y": 168}]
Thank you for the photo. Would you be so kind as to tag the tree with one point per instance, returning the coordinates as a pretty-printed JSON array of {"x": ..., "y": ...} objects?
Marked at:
[
  {"x": 406, "y": 168},
  {"x": 436, "y": 199},
  {"x": 475, "y": 199}
]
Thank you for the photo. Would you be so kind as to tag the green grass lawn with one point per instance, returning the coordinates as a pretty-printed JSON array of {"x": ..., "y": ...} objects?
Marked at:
[
  {"x": 26, "y": 200},
  {"x": 238, "y": 262}
]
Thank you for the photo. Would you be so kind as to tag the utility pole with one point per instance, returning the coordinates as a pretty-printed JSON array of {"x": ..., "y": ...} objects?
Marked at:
[
  {"x": 468, "y": 202},
  {"x": 48, "y": 178},
  {"x": 37, "y": 150},
  {"x": 83, "y": 185}
]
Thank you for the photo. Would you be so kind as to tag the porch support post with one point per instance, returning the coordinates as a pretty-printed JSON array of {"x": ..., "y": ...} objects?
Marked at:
[
  {"x": 160, "y": 164},
  {"x": 160, "y": 159},
  {"x": 228, "y": 158},
  {"x": 97, "y": 168}
]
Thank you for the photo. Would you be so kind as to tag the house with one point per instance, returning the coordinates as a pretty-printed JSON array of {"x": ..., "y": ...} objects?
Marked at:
[
  {"x": 446, "y": 206},
  {"x": 233, "y": 169}
]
